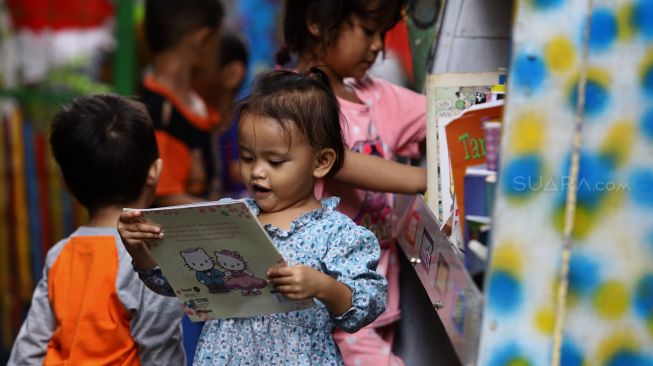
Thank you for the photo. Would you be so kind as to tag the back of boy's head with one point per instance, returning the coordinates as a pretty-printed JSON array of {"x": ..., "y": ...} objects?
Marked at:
[
  {"x": 304, "y": 101},
  {"x": 167, "y": 22},
  {"x": 329, "y": 16},
  {"x": 232, "y": 48},
  {"x": 105, "y": 146}
]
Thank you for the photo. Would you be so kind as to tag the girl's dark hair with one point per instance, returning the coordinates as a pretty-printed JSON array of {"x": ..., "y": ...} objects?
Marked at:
[
  {"x": 329, "y": 15},
  {"x": 303, "y": 100},
  {"x": 104, "y": 145}
]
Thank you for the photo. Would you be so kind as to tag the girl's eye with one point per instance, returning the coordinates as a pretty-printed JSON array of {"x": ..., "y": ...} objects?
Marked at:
[
  {"x": 276, "y": 162},
  {"x": 369, "y": 32},
  {"x": 246, "y": 159}
]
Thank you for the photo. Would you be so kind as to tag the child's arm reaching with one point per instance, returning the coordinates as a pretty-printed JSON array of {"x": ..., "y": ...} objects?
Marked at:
[
  {"x": 377, "y": 174},
  {"x": 302, "y": 282}
]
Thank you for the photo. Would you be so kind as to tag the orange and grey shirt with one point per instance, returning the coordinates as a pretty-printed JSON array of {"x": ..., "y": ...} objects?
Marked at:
[
  {"x": 184, "y": 140},
  {"x": 90, "y": 308}
]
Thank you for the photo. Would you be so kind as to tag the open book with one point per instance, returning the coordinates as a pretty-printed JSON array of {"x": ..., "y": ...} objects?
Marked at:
[{"x": 215, "y": 256}]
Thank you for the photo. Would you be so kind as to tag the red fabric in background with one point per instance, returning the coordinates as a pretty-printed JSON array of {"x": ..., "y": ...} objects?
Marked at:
[
  {"x": 38, "y": 15},
  {"x": 397, "y": 41}
]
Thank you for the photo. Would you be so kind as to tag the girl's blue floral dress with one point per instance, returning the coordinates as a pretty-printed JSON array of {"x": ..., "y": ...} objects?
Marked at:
[{"x": 328, "y": 241}]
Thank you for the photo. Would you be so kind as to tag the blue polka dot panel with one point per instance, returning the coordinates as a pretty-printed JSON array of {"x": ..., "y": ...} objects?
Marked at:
[{"x": 570, "y": 278}]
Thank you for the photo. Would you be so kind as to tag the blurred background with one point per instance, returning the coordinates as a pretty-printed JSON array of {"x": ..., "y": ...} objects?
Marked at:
[{"x": 54, "y": 50}]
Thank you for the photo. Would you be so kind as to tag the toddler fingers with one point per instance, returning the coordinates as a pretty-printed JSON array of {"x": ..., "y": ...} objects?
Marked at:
[
  {"x": 130, "y": 216},
  {"x": 140, "y": 235},
  {"x": 281, "y": 281},
  {"x": 279, "y": 272},
  {"x": 149, "y": 235},
  {"x": 286, "y": 290},
  {"x": 144, "y": 228}
]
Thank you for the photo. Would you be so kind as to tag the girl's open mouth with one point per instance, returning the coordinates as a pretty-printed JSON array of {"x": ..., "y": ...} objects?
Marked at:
[{"x": 260, "y": 189}]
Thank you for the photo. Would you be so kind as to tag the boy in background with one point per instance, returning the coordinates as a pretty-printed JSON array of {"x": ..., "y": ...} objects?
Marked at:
[
  {"x": 90, "y": 307},
  {"x": 220, "y": 90},
  {"x": 183, "y": 38}
]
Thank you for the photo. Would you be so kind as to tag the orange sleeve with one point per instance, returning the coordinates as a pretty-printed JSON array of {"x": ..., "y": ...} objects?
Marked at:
[{"x": 176, "y": 165}]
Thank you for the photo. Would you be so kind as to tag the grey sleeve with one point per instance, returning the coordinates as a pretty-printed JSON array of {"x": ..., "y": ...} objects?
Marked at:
[
  {"x": 156, "y": 328},
  {"x": 156, "y": 320},
  {"x": 31, "y": 343}
]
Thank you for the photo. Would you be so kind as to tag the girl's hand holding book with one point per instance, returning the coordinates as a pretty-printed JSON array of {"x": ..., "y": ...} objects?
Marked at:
[
  {"x": 298, "y": 282},
  {"x": 137, "y": 234},
  {"x": 302, "y": 282}
]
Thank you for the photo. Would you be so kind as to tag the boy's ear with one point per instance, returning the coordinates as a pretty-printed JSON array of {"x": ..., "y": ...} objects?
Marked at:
[
  {"x": 202, "y": 48},
  {"x": 324, "y": 160},
  {"x": 154, "y": 173},
  {"x": 201, "y": 35}
]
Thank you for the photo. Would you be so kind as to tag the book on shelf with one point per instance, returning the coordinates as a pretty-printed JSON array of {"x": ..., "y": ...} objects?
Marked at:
[
  {"x": 479, "y": 193},
  {"x": 215, "y": 255},
  {"x": 448, "y": 96},
  {"x": 466, "y": 146}
]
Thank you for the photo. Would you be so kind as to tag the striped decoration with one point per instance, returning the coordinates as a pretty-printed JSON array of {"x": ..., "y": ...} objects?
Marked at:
[
  {"x": 19, "y": 199},
  {"x": 5, "y": 293},
  {"x": 35, "y": 212}
]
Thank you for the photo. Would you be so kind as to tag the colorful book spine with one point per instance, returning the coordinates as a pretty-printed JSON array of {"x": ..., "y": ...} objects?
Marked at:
[{"x": 492, "y": 133}]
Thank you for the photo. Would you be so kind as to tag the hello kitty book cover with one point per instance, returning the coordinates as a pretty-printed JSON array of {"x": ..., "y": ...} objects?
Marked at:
[{"x": 215, "y": 255}]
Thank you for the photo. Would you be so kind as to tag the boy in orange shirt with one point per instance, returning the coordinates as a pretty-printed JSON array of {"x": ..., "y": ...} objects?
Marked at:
[
  {"x": 90, "y": 307},
  {"x": 183, "y": 37}
]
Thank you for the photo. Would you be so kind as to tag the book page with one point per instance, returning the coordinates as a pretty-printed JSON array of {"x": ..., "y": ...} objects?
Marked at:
[{"x": 215, "y": 256}]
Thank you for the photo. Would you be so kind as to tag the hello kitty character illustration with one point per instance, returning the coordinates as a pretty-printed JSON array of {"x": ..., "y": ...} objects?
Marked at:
[
  {"x": 197, "y": 260},
  {"x": 239, "y": 277}
]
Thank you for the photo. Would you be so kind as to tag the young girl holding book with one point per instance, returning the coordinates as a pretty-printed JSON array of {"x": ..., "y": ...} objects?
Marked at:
[
  {"x": 382, "y": 119},
  {"x": 289, "y": 136}
]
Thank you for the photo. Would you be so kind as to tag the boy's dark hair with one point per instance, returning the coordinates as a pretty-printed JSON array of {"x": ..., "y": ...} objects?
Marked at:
[
  {"x": 104, "y": 145},
  {"x": 232, "y": 48},
  {"x": 329, "y": 15},
  {"x": 304, "y": 100},
  {"x": 168, "y": 21}
]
